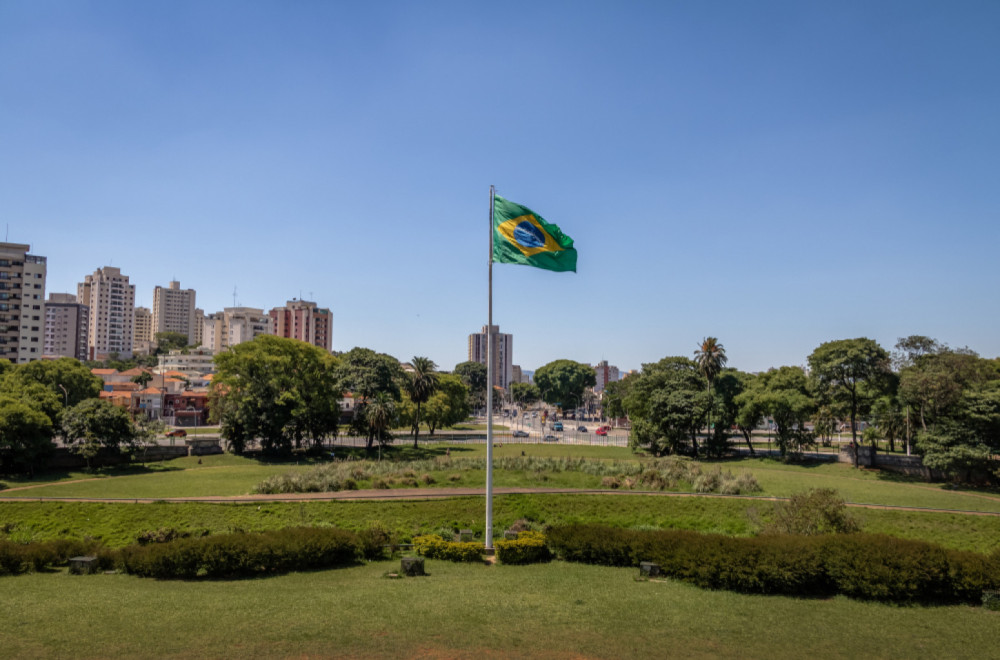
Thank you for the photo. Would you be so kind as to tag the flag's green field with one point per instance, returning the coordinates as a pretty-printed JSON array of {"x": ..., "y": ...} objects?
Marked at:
[{"x": 462, "y": 611}]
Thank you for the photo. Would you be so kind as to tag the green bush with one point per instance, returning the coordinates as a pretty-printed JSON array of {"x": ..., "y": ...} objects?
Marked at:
[
  {"x": 243, "y": 554},
  {"x": 527, "y": 548},
  {"x": 864, "y": 566},
  {"x": 18, "y": 558},
  {"x": 815, "y": 511},
  {"x": 373, "y": 541},
  {"x": 434, "y": 547}
]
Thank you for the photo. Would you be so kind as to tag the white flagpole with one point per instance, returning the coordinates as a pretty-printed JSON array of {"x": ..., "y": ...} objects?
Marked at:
[{"x": 489, "y": 397}]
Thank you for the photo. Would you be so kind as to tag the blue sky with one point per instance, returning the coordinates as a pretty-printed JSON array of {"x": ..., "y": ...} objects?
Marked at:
[{"x": 775, "y": 174}]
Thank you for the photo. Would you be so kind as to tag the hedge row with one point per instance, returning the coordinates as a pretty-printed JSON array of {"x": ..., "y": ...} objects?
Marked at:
[
  {"x": 864, "y": 566},
  {"x": 434, "y": 547},
  {"x": 243, "y": 554},
  {"x": 16, "y": 558},
  {"x": 527, "y": 548}
]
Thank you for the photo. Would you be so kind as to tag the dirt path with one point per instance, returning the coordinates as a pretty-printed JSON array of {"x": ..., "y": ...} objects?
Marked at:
[{"x": 444, "y": 493}]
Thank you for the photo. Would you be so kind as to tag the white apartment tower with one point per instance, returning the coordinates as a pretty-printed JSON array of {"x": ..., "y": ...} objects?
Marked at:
[
  {"x": 111, "y": 300},
  {"x": 234, "y": 325},
  {"x": 503, "y": 346},
  {"x": 174, "y": 311},
  {"x": 65, "y": 326},
  {"x": 22, "y": 303}
]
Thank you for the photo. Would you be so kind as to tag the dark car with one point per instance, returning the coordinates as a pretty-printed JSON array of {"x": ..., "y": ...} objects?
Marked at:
[
  {"x": 581, "y": 429},
  {"x": 520, "y": 434},
  {"x": 177, "y": 433}
]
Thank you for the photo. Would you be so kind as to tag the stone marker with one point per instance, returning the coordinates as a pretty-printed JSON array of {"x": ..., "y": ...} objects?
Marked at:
[
  {"x": 82, "y": 565},
  {"x": 412, "y": 566},
  {"x": 649, "y": 569},
  {"x": 466, "y": 535}
]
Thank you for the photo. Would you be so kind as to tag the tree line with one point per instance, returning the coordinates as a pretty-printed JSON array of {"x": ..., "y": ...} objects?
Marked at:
[{"x": 942, "y": 403}]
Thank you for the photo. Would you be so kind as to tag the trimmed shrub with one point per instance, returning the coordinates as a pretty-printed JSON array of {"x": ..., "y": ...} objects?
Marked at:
[
  {"x": 864, "y": 566},
  {"x": 243, "y": 554},
  {"x": 815, "y": 511},
  {"x": 18, "y": 558},
  {"x": 527, "y": 548},
  {"x": 434, "y": 547},
  {"x": 373, "y": 541}
]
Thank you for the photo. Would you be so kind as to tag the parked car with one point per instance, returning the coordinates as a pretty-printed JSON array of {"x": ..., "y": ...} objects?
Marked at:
[
  {"x": 581, "y": 429},
  {"x": 557, "y": 426},
  {"x": 177, "y": 433},
  {"x": 602, "y": 430},
  {"x": 534, "y": 414},
  {"x": 520, "y": 434},
  {"x": 551, "y": 437}
]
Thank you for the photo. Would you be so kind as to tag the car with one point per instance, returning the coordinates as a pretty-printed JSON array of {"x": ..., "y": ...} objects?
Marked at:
[
  {"x": 177, "y": 433},
  {"x": 557, "y": 426},
  {"x": 581, "y": 429},
  {"x": 520, "y": 434},
  {"x": 602, "y": 430},
  {"x": 534, "y": 414},
  {"x": 550, "y": 437}
]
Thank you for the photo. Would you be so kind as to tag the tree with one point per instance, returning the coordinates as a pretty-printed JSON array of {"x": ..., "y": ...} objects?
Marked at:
[
  {"x": 474, "y": 375},
  {"x": 366, "y": 373},
  {"x": 280, "y": 391},
  {"x": 524, "y": 394},
  {"x": 783, "y": 394},
  {"x": 666, "y": 404},
  {"x": 96, "y": 424},
  {"x": 844, "y": 368},
  {"x": 420, "y": 383},
  {"x": 65, "y": 377},
  {"x": 711, "y": 358},
  {"x": 449, "y": 404},
  {"x": 729, "y": 384},
  {"x": 142, "y": 379},
  {"x": 169, "y": 341},
  {"x": 613, "y": 399},
  {"x": 25, "y": 436},
  {"x": 379, "y": 415},
  {"x": 562, "y": 382}
]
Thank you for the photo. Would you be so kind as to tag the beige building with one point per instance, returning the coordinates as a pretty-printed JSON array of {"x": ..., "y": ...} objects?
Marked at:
[
  {"x": 173, "y": 311},
  {"x": 142, "y": 340},
  {"x": 192, "y": 363},
  {"x": 199, "y": 326},
  {"x": 303, "y": 320},
  {"x": 234, "y": 325},
  {"x": 65, "y": 326},
  {"x": 503, "y": 346},
  {"x": 22, "y": 303},
  {"x": 111, "y": 300}
]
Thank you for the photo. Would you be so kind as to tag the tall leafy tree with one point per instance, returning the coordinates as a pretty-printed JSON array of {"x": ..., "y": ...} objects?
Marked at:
[
  {"x": 25, "y": 435},
  {"x": 666, "y": 405},
  {"x": 711, "y": 358},
  {"x": 783, "y": 394},
  {"x": 365, "y": 374},
  {"x": 276, "y": 390},
  {"x": 95, "y": 424},
  {"x": 379, "y": 415},
  {"x": 65, "y": 377},
  {"x": 420, "y": 383},
  {"x": 850, "y": 370},
  {"x": 562, "y": 382},
  {"x": 474, "y": 375},
  {"x": 729, "y": 384},
  {"x": 524, "y": 394}
]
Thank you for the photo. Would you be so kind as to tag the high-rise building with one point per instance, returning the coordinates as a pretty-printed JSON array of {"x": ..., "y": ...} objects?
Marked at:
[
  {"x": 503, "y": 346},
  {"x": 65, "y": 326},
  {"x": 173, "y": 311},
  {"x": 111, "y": 300},
  {"x": 142, "y": 340},
  {"x": 303, "y": 320},
  {"x": 234, "y": 325},
  {"x": 199, "y": 326},
  {"x": 605, "y": 374},
  {"x": 22, "y": 303}
]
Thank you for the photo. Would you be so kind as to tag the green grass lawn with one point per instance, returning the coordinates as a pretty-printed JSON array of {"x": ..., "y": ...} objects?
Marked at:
[
  {"x": 552, "y": 610},
  {"x": 118, "y": 524}
]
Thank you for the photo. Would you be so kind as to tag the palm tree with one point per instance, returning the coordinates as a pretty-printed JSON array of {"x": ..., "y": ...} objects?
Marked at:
[
  {"x": 380, "y": 411},
  {"x": 420, "y": 386},
  {"x": 711, "y": 358}
]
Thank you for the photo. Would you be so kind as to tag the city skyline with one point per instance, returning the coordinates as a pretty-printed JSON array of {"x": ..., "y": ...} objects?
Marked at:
[{"x": 776, "y": 176}]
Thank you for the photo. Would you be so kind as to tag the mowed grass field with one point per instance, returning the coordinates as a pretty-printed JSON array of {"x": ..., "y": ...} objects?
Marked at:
[
  {"x": 228, "y": 475},
  {"x": 555, "y": 610}
]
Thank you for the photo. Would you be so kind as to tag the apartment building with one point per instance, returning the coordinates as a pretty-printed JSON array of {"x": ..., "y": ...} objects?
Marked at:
[
  {"x": 142, "y": 339},
  {"x": 234, "y": 325},
  {"x": 22, "y": 303},
  {"x": 605, "y": 374},
  {"x": 66, "y": 323},
  {"x": 503, "y": 346},
  {"x": 111, "y": 325},
  {"x": 303, "y": 320},
  {"x": 174, "y": 311}
]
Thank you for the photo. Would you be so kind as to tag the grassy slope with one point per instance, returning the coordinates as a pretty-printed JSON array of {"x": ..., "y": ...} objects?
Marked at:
[
  {"x": 555, "y": 610},
  {"x": 119, "y": 524}
]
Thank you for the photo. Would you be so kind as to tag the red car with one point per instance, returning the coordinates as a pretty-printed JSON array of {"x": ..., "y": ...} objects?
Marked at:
[
  {"x": 177, "y": 433},
  {"x": 602, "y": 430}
]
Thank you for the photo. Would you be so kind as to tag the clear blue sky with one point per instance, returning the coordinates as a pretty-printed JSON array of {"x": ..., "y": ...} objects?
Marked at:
[{"x": 775, "y": 174}]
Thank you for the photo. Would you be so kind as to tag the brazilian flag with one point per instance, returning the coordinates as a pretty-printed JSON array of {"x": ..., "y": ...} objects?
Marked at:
[{"x": 521, "y": 236}]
